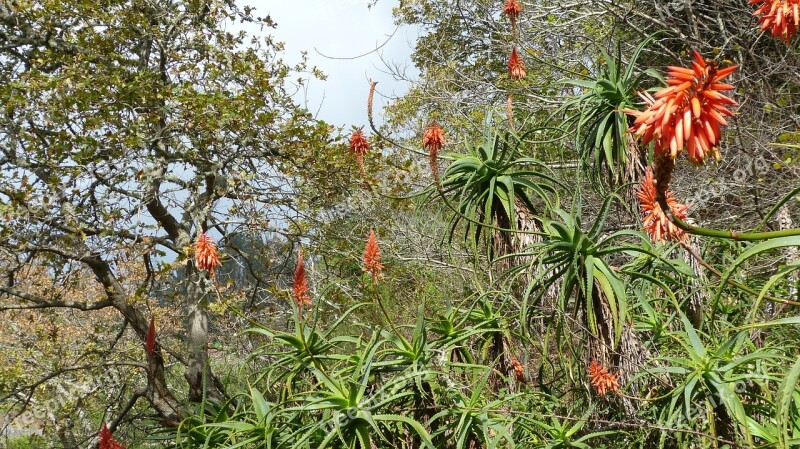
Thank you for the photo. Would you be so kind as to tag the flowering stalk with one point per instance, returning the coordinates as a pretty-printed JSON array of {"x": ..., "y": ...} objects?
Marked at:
[
  {"x": 205, "y": 253},
  {"x": 602, "y": 380},
  {"x": 510, "y": 111},
  {"x": 373, "y": 266},
  {"x": 433, "y": 141},
  {"x": 106, "y": 440},
  {"x": 732, "y": 235},
  {"x": 375, "y": 129},
  {"x": 690, "y": 113},
  {"x": 730, "y": 281},
  {"x": 780, "y": 17},
  {"x": 663, "y": 175}
]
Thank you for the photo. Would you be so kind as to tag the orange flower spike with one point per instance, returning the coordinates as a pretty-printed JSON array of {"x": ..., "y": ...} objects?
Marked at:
[
  {"x": 300, "y": 283},
  {"x": 150, "y": 339},
  {"x": 684, "y": 114},
  {"x": 602, "y": 380},
  {"x": 512, "y": 10},
  {"x": 654, "y": 220},
  {"x": 359, "y": 146},
  {"x": 516, "y": 67},
  {"x": 780, "y": 17},
  {"x": 205, "y": 253},
  {"x": 106, "y": 440},
  {"x": 372, "y": 257},
  {"x": 433, "y": 141},
  {"x": 519, "y": 371}
]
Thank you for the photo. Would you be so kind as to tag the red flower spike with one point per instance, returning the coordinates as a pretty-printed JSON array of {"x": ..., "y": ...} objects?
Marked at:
[
  {"x": 372, "y": 257},
  {"x": 150, "y": 340},
  {"x": 433, "y": 141},
  {"x": 205, "y": 253},
  {"x": 516, "y": 67},
  {"x": 603, "y": 381},
  {"x": 106, "y": 440},
  {"x": 780, "y": 17},
  {"x": 359, "y": 146},
  {"x": 654, "y": 220},
  {"x": 512, "y": 10},
  {"x": 300, "y": 284},
  {"x": 690, "y": 113}
]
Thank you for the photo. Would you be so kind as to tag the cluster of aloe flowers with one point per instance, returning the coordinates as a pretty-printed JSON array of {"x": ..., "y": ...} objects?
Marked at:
[
  {"x": 779, "y": 17},
  {"x": 690, "y": 113},
  {"x": 516, "y": 66},
  {"x": 300, "y": 291},
  {"x": 687, "y": 114},
  {"x": 205, "y": 253},
  {"x": 655, "y": 222},
  {"x": 602, "y": 380}
]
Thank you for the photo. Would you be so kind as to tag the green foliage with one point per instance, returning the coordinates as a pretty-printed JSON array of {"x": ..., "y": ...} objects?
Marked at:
[
  {"x": 598, "y": 119},
  {"x": 577, "y": 263},
  {"x": 707, "y": 377},
  {"x": 30, "y": 442},
  {"x": 108, "y": 131},
  {"x": 492, "y": 180},
  {"x": 563, "y": 433}
]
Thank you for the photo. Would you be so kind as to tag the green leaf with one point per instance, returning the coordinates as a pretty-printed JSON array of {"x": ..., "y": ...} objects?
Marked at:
[{"x": 783, "y": 403}]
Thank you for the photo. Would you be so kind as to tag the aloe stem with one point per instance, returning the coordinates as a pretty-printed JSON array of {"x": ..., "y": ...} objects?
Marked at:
[
  {"x": 380, "y": 305},
  {"x": 731, "y": 235}
]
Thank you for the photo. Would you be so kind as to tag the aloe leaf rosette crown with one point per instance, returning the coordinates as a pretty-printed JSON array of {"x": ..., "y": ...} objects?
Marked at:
[{"x": 492, "y": 181}]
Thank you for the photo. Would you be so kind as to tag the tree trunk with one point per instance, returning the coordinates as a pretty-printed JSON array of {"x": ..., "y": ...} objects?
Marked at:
[
  {"x": 159, "y": 394},
  {"x": 199, "y": 371}
]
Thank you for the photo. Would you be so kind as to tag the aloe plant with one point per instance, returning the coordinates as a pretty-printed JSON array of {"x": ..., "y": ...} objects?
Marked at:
[
  {"x": 495, "y": 188},
  {"x": 599, "y": 123},
  {"x": 709, "y": 379}
]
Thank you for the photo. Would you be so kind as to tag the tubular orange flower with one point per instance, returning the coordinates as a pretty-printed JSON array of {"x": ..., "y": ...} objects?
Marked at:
[
  {"x": 512, "y": 10},
  {"x": 106, "y": 440},
  {"x": 300, "y": 284},
  {"x": 689, "y": 113},
  {"x": 654, "y": 220},
  {"x": 433, "y": 141},
  {"x": 519, "y": 371},
  {"x": 150, "y": 340},
  {"x": 780, "y": 17},
  {"x": 205, "y": 253},
  {"x": 372, "y": 257},
  {"x": 516, "y": 67},
  {"x": 603, "y": 381}
]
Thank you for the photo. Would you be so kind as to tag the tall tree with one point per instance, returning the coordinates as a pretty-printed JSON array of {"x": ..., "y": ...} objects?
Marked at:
[{"x": 128, "y": 128}]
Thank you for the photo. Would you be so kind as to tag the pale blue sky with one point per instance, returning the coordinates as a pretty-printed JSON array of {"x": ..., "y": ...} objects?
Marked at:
[{"x": 341, "y": 29}]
